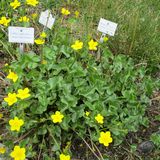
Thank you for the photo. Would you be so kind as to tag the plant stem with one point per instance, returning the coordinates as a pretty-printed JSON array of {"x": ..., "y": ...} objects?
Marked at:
[
  {"x": 7, "y": 50},
  {"x": 53, "y": 137},
  {"x": 95, "y": 145},
  {"x": 88, "y": 146},
  {"x": 24, "y": 136}
]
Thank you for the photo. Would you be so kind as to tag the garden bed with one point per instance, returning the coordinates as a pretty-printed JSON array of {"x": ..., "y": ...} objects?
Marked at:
[{"x": 75, "y": 94}]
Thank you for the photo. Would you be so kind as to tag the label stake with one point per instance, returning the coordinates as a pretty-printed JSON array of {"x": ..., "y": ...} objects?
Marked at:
[{"x": 21, "y": 48}]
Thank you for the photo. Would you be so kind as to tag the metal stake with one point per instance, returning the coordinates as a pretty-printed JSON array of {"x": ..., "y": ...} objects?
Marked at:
[
  {"x": 21, "y": 48},
  {"x": 102, "y": 36}
]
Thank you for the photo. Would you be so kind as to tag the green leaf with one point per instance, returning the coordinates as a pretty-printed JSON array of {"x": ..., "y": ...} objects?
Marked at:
[
  {"x": 42, "y": 130},
  {"x": 50, "y": 53},
  {"x": 65, "y": 50},
  {"x": 65, "y": 122}
]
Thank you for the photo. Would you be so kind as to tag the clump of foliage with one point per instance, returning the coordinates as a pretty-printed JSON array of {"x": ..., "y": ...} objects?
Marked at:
[
  {"x": 75, "y": 83},
  {"x": 155, "y": 137}
]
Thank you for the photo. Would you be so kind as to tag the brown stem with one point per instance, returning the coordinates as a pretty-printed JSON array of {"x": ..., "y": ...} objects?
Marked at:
[{"x": 22, "y": 137}]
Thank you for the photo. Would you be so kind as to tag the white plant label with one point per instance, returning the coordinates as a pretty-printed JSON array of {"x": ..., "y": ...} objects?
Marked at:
[
  {"x": 107, "y": 27},
  {"x": 47, "y": 19},
  {"x": 21, "y": 35}
]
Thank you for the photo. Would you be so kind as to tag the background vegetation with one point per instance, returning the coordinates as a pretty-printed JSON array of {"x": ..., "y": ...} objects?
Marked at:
[{"x": 138, "y": 21}]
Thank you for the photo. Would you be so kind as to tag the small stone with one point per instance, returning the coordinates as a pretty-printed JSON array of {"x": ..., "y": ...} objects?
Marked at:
[{"x": 146, "y": 147}]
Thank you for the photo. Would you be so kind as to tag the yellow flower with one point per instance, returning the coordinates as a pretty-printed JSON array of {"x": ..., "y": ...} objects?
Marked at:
[
  {"x": 4, "y": 21},
  {"x": 105, "y": 138},
  {"x": 23, "y": 93},
  {"x": 39, "y": 41},
  {"x": 18, "y": 153},
  {"x": 92, "y": 45},
  {"x": 64, "y": 11},
  {"x": 6, "y": 64},
  {"x": 1, "y": 115},
  {"x": 13, "y": 76},
  {"x": 64, "y": 157},
  {"x": 99, "y": 118},
  {"x": 43, "y": 35},
  {"x": 15, "y": 4},
  {"x": 76, "y": 14},
  {"x": 34, "y": 15},
  {"x": 16, "y": 124},
  {"x": 57, "y": 117},
  {"x": 32, "y": 2},
  {"x": 105, "y": 39},
  {"x": 77, "y": 45},
  {"x": 2, "y": 150},
  {"x": 11, "y": 99},
  {"x": 87, "y": 113},
  {"x": 44, "y": 62},
  {"x": 24, "y": 19}
]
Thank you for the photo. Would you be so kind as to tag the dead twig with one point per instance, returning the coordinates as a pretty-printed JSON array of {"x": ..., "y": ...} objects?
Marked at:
[
  {"x": 93, "y": 145},
  {"x": 141, "y": 64},
  {"x": 88, "y": 146},
  {"x": 24, "y": 136}
]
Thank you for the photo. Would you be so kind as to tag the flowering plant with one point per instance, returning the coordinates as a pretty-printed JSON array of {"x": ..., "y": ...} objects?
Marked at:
[
  {"x": 70, "y": 89},
  {"x": 71, "y": 95}
]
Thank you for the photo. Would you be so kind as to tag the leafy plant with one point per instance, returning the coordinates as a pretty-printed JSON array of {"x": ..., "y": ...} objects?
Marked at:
[
  {"x": 156, "y": 140},
  {"x": 73, "y": 83}
]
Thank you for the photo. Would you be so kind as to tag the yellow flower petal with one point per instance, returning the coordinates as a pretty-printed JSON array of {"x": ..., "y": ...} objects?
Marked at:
[
  {"x": 57, "y": 117},
  {"x": 92, "y": 45},
  {"x": 105, "y": 138},
  {"x": 23, "y": 93},
  {"x": 16, "y": 124},
  {"x": 99, "y": 118},
  {"x": 76, "y": 14},
  {"x": 87, "y": 113},
  {"x": 43, "y": 35},
  {"x": 64, "y": 157},
  {"x": 15, "y": 4},
  {"x": 39, "y": 41},
  {"x": 77, "y": 45},
  {"x": 13, "y": 76},
  {"x": 1, "y": 115},
  {"x": 2, "y": 150},
  {"x": 18, "y": 153},
  {"x": 4, "y": 21},
  {"x": 34, "y": 15},
  {"x": 105, "y": 39},
  {"x": 24, "y": 19},
  {"x": 11, "y": 99},
  {"x": 65, "y": 12},
  {"x": 32, "y": 2}
]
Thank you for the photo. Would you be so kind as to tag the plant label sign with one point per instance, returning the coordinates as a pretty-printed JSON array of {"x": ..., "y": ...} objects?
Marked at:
[
  {"x": 47, "y": 19},
  {"x": 107, "y": 27},
  {"x": 21, "y": 35}
]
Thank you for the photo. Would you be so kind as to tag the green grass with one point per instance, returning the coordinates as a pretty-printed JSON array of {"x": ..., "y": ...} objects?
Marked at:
[{"x": 138, "y": 33}]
